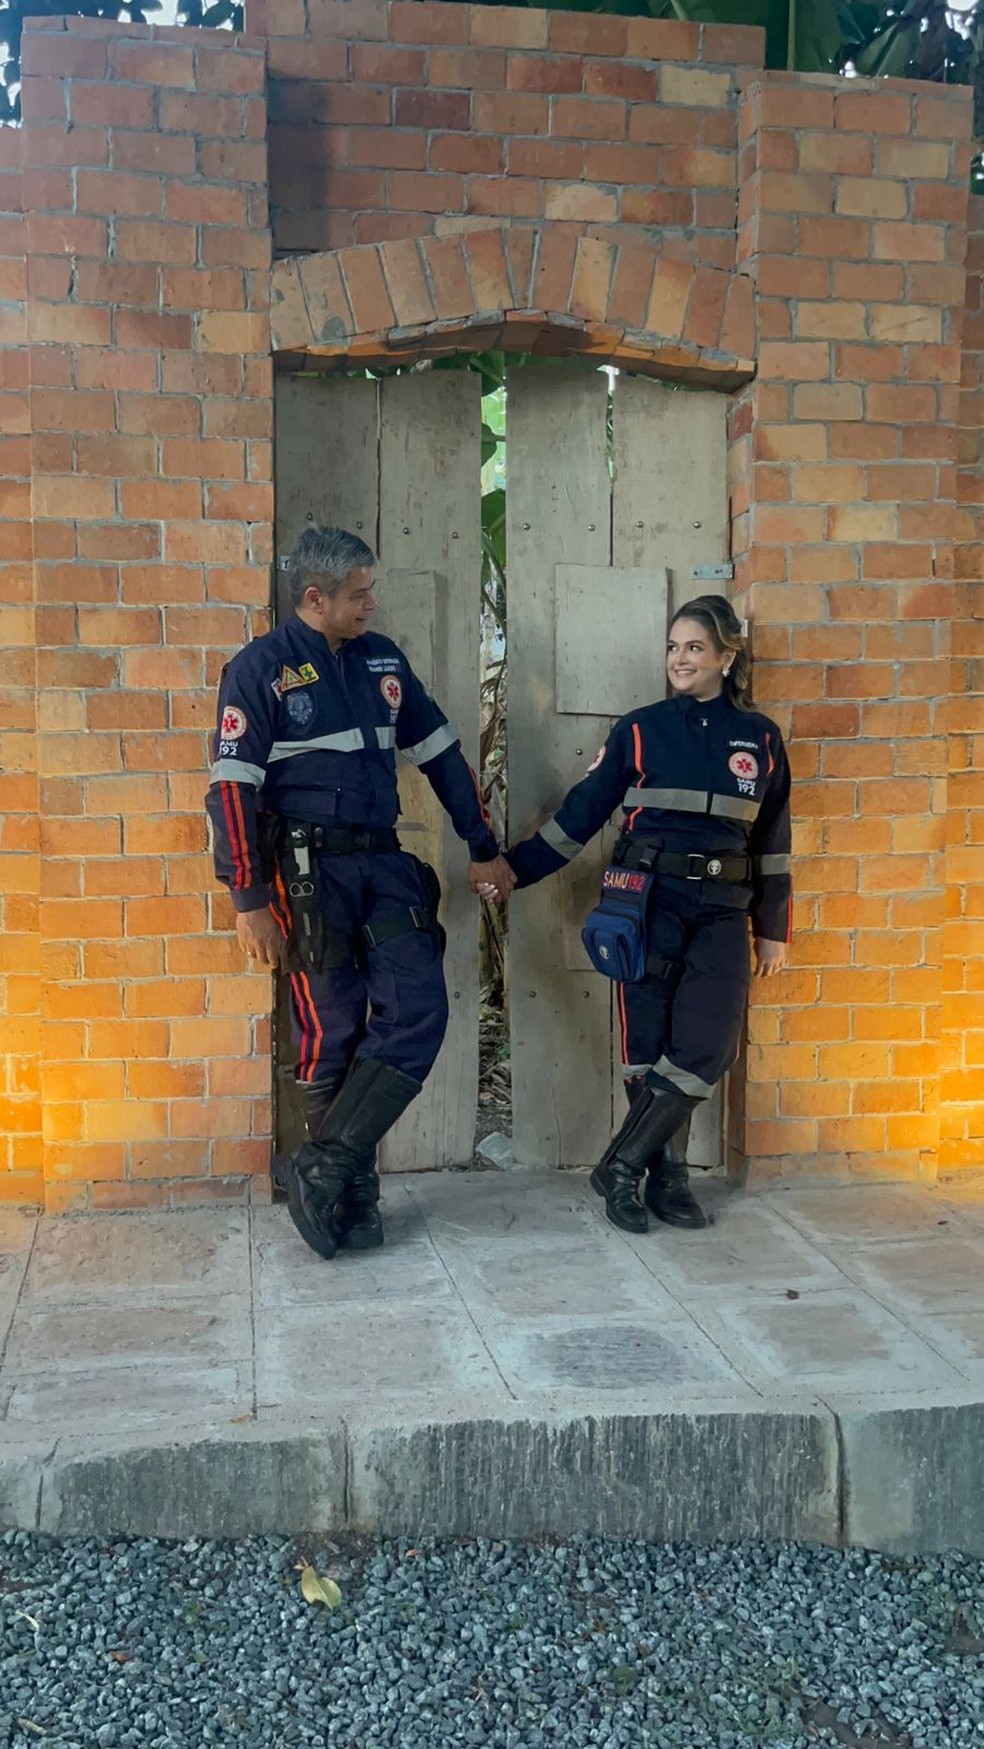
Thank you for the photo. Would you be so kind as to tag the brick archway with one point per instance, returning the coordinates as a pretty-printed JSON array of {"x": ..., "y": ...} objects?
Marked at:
[{"x": 541, "y": 290}]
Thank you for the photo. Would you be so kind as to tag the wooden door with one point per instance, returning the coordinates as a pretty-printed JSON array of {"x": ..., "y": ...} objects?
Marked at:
[
  {"x": 399, "y": 463},
  {"x": 607, "y": 524}
]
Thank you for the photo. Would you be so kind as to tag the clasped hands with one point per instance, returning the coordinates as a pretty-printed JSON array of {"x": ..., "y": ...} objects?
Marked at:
[{"x": 491, "y": 880}]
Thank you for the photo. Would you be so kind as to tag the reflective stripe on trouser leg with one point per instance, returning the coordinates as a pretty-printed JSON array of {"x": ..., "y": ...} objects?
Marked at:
[
  {"x": 328, "y": 1012},
  {"x": 692, "y": 1044}
]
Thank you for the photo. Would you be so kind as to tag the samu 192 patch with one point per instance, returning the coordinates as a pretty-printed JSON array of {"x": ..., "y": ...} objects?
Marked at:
[
  {"x": 392, "y": 690},
  {"x": 233, "y": 725}
]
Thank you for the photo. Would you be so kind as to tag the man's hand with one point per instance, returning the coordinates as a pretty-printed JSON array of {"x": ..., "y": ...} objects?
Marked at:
[
  {"x": 261, "y": 937},
  {"x": 491, "y": 880},
  {"x": 770, "y": 956}
]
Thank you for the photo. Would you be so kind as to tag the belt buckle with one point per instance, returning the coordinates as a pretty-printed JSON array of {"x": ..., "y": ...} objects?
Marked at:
[
  {"x": 715, "y": 866},
  {"x": 692, "y": 857}
]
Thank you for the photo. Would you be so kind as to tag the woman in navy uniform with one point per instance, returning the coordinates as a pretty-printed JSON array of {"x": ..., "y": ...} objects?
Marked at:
[
  {"x": 303, "y": 805},
  {"x": 703, "y": 783}
]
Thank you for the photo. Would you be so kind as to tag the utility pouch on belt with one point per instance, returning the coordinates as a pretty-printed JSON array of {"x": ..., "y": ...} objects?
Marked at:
[
  {"x": 614, "y": 934},
  {"x": 314, "y": 946}
]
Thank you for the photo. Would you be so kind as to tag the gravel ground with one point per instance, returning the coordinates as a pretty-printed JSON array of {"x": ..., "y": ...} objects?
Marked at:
[{"x": 138, "y": 1645}]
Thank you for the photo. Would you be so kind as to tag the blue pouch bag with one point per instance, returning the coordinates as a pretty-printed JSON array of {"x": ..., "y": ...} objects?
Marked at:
[{"x": 614, "y": 934}]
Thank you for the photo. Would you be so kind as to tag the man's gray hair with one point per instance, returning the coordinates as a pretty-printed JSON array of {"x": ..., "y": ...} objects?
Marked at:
[{"x": 324, "y": 557}]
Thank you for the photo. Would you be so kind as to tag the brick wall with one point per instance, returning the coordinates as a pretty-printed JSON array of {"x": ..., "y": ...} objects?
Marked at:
[
  {"x": 962, "y": 1139},
  {"x": 600, "y": 157},
  {"x": 150, "y": 388},
  {"x": 20, "y": 1107},
  {"x": 853, "y": 217},
  {"x": 397, "y": 119}
]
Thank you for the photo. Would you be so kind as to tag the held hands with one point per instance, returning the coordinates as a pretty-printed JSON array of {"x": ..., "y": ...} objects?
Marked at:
[
  {"x": 491, "y": 880},
  {"x": 261, "y": 937},
  {"x": 770, "y": 956}
]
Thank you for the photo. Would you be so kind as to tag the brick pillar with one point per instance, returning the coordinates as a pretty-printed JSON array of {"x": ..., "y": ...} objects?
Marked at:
[
  {"x": 852, "y": 226},
  {"x": 20, "y": 1113},
  {"x": 151, "y": 417},
  {"x": 962, "y": 1111}
]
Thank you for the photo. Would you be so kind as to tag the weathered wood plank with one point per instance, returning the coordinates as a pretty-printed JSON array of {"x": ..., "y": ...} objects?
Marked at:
[
  {"x": 670, "y": 508},
  {"x": 326, "y": 461},
  {"x": 610, "y": 630},
  {"x": 430, "y": 462},
  {"x": 670, "y": 493},
  {"x": 560, "y": 1018}
]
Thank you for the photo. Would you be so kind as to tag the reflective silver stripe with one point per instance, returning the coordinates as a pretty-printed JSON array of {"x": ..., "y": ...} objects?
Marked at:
[
  {"x": 682, "y": 1078},
  {"x": 687, "y": 801},
  {"x": 236, "y": 771},
  {"x": 346, "y": 741},
  {"x": 767, "y": 865},
  {"x": 631, "y": 1070},
  {"x": 734, "y": 808},
  {"x": 386, "y": 737},
  {"x": 439, "y": 742},
  {"x": 554, "y": 835}
]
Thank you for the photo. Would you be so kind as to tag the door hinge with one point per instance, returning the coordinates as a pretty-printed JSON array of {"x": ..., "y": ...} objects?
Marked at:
[{"x": 714, "y": 573}]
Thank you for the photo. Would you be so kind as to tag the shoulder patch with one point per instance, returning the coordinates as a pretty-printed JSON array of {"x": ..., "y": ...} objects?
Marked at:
[{"x": 234, "y": 724}]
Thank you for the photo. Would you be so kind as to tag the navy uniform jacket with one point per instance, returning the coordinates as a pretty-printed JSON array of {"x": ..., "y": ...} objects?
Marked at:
[
  {"x": 311, "y": 735},
  {"x": 699, "y": 777}
]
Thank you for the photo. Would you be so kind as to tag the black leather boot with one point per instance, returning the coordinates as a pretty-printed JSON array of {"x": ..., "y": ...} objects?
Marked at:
[
  {"x": 369, "y": 1102},
  {"x": 668, "y": 1192},
  {"x": 656, "y": 1111}
]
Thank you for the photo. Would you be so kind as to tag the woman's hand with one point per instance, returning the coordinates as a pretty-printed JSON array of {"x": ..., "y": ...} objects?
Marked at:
[{"x": 770, "y": 956}]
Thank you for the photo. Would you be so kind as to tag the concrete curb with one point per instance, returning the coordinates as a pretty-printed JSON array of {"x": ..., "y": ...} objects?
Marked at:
[
  {"x": 674, "y": 1476},
  {"x": 903, "y": 1479}
]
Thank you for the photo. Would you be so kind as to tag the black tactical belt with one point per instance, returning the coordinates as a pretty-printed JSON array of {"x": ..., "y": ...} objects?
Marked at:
[
  {"x": 347, "y": 840},
  {"x": 687, "y": 866}
]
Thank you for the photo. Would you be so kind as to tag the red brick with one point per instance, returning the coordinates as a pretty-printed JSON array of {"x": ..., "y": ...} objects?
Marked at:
[
  {"x": 550, "y": 158},
  {"x": 670, "y": 207},
  {"x": 468, "y": 153},
  {"x": 634, "y": 84},
  {"x": 509, "y": 113},
  {"x": 908, "y": 242},
  {"x": 876, "y": 113},
  {"x": 470, "y": 69},
  {"x": 835, "y": 237},
  {"x": 106, "y": 367},
  {"x": 450, "y": 110},
  {"x": 138, "y": 240},
  {"x": 545, "y": 73},
  {"x": 622, "y": 163},
  {"x": 651, "y": 39},
  {"x": 573, "y": 33},
  {"x": 110, "y": 106},
  {"x": 59, "y": 147},
  {"x": 408, "y": 191},
  {"x": 505, "y": 196},
  {"x": 425, "y": 21},
  {"x": 450, "y": 286},
  {"x": 494, "y": 27},
  {"x": 374, "y": 64},
  {"x": 654, "y": 125}
]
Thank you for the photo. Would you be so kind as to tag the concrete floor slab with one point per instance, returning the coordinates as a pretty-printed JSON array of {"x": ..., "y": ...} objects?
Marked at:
[
  {"x": 834, "y": 1340},
  {"x": 861, "y": 1213},
  {"x": 149, "y": 1334},
  {"x": 126, "y": 1256},
  {"x": 934, "y": 1275},
  {"x": 508, "y": 1363}
]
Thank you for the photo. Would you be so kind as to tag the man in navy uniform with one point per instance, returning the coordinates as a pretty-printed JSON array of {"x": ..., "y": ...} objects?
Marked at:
[{"x": 303, "y": 804}]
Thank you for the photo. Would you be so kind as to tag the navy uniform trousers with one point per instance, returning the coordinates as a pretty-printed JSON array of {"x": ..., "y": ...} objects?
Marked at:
[
  {"x": 388, "y": 1001},
  {"x": 688, "y": 1016}
]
